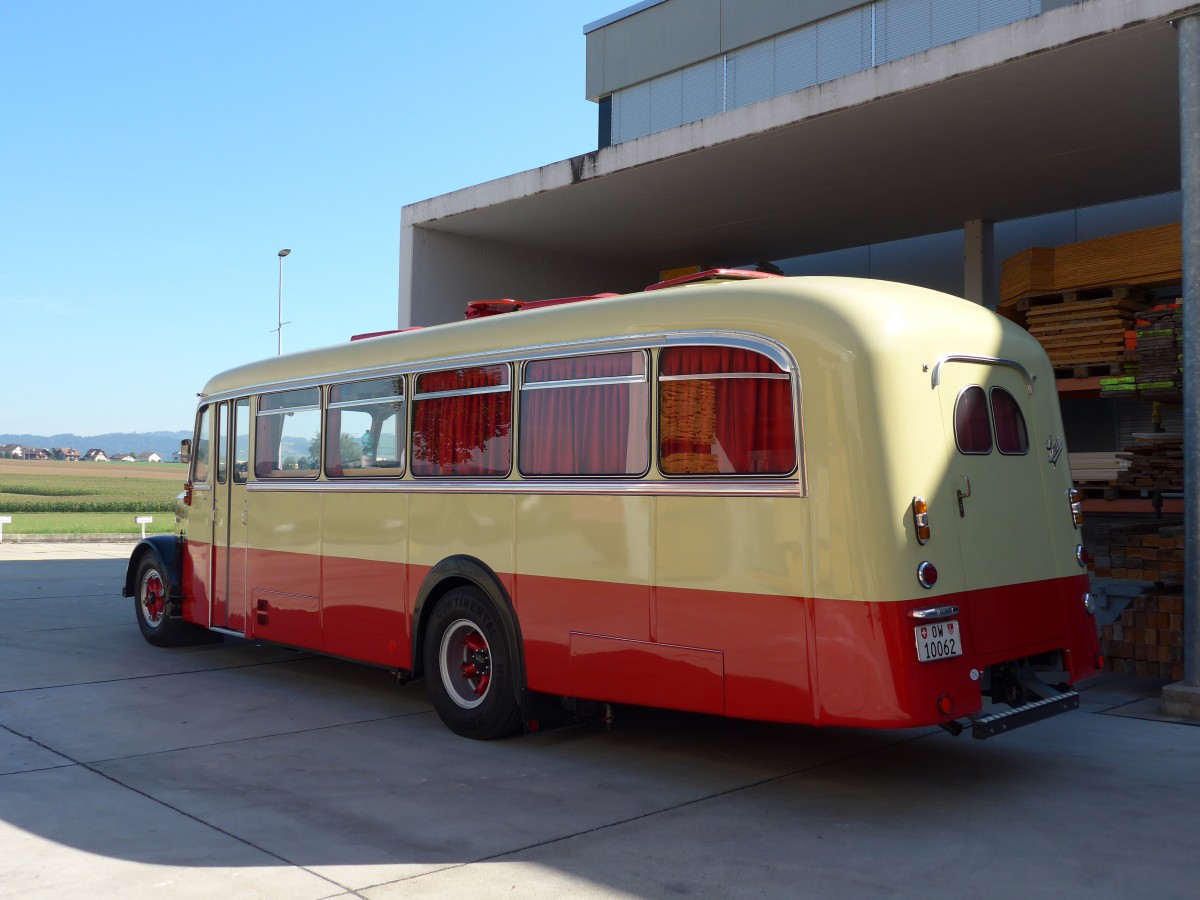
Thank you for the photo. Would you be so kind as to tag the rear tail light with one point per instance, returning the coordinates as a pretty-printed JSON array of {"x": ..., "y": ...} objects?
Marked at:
[
  {"x": 1076, "y": 501},
  {"x": 920, "y": 514},
  {"x": 927, "y": 574},
  {"x": 187, "y": 493}
]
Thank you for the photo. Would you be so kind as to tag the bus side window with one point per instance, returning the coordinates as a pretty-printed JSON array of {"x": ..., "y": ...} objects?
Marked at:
[
  {"x": 462, "y": 422},
  {"x": 724, "y": 410},
  {"x": 241, "y": 441},
  {"x": 200, "y": 455},
  {"x": 287, "y": 440},
  {"x": 364, "y": 429},
  {"x": 585, "y": 415}
]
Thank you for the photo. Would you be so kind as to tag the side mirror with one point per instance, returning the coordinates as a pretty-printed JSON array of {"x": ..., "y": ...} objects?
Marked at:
[{"x": 185, "y": 451}]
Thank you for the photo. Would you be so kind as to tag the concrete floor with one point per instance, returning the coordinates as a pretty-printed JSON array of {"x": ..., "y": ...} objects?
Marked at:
[{"x": 239, "y": 770}]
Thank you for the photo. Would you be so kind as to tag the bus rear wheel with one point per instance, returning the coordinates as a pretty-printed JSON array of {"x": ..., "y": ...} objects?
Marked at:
[
  {"x": 151, "y": 600},
  {"x": 468, "y": 667}
]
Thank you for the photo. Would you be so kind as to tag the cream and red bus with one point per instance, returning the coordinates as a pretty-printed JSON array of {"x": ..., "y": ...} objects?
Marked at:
[{"x": 827, "y": 501}]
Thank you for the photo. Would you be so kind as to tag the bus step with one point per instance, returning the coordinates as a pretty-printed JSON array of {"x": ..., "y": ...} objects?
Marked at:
[{"x": 998, "y": 723}]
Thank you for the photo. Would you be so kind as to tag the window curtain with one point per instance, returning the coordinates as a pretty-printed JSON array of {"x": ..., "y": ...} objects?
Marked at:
[
  {"x": 724, "y": 425},
  {"x": 584, "y": 430},
  {"x": 466, "y": 435}
]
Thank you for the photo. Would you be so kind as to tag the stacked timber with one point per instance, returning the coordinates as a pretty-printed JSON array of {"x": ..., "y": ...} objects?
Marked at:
[
  {"x": 1160, "y": 353},
  {"x": 1141, "y": 565},
  {"x": 1152, "y": 257},
  {"x": 1097, "y": 472},
  {"x": 1155, "y": 463},
  {"x": 1084, "y": 332}
]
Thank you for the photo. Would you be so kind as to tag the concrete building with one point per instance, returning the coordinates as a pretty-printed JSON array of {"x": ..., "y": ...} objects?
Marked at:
[{"x": 918, "y": 140}]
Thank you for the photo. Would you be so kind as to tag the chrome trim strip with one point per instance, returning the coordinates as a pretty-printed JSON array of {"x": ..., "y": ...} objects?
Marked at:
[
  {"x": 373, "y": 401},
  {"x": 775, "y": 488},
  {"x": 760, "y": 343},
  {"x": 463, "y": 392},
  {"x": 229, "y": 631},
  {"x": 982, "y": 361},
  {"x": 288, "y": 410},
  {"x": 201, "y": 486},
  {"x": 719, "y": 376},
  {"x": 933, "y": 613},
  {"x": 584, "y": 382}
]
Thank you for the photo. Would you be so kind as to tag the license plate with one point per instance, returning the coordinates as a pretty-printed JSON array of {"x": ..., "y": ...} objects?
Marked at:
[{"x": 938, "y": 640}]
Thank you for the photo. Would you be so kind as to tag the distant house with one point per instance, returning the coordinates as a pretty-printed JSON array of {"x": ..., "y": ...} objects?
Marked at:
[
  {"x": 149, "y": 457},
  {"x": 12, "y": 451},
  {"x": 95, "y": 455},
  {"x": 37, "y": 453},
  {"x": 70, "y": 454},
  {"x": 122, "y": 457}
]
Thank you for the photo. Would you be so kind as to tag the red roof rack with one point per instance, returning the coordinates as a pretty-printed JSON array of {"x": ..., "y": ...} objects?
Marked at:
[
  {"x": 481, "y": 309},
  {"x": 712, "y": 275},
  {"x": 371, "y": 334}
]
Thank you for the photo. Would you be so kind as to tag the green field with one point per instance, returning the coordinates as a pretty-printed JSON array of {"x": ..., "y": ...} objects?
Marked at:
[
  {"x": 82, "y": 498},
  {"x": 88, "y": 523}
]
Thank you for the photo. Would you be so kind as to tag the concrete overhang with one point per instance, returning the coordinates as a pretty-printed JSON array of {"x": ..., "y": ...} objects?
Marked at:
[{"x": 1074, "y": 107}]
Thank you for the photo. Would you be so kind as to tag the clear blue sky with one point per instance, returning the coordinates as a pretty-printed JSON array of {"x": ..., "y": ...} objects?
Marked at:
[{"x": 155, "y": 156}]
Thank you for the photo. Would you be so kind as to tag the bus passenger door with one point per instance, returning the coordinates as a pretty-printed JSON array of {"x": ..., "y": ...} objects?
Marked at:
[{"x": 230, "y": 516}]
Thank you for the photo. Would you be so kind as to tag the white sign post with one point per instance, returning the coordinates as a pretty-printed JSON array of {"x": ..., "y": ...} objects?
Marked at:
[
  {"x": 143, "y": 521},
  {"x": 4, "y": 520}
]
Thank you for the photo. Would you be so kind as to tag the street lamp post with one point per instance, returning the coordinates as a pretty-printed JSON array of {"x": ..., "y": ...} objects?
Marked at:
[{"x": 279, "y": 330}]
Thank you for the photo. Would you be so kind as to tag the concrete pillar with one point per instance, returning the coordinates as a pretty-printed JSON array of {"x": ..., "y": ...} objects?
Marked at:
[
  {"x": 1183, "y": 698},
  {"x": 978, "y": 262}
]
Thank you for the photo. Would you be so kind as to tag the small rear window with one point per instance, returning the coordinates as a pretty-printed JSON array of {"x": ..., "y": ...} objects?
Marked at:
[
  {"x": 972, "y": 431},
  {"x": 1011, "y": 435}
]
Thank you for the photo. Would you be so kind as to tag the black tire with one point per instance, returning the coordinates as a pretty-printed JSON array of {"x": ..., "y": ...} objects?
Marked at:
[
  {"x": 469, "y": 667},
  {"x": 152, "y": 600}
]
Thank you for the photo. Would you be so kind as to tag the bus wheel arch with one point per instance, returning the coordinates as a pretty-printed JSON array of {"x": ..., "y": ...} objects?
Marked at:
[{"x": 471, "y": 659}]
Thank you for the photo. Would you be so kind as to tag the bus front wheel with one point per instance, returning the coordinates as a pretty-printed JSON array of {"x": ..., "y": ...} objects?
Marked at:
[
  {"x": 151, "y": 600},
  {"x": 468, "y": 667}
]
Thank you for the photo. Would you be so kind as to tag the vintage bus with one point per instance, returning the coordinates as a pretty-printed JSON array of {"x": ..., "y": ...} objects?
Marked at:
[{"x": 828, "y": 501}]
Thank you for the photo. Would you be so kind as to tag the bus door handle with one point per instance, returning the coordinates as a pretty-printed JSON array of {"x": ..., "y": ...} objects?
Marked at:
[{"x": 963, "y": 495}]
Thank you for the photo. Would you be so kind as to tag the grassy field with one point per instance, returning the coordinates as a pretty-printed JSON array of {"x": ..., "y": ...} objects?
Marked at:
[{"x": 88, "y": 498}]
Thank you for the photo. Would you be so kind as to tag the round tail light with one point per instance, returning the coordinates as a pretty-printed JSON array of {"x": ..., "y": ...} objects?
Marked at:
[{"x": 927, "y": 574}]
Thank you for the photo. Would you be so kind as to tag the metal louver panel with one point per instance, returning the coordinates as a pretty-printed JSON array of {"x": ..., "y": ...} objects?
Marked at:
[
  {"x": 953, "y": 20},
  {"x": 703, "y": 90},
  {"x": 750, "y": 74},
  {"x": 994, "y": 13},
  {"x": 795, "y": 60},
  {"x": 903, "y": 27},
  {"x": 666, "y": 102},
  {"x": 843, "y": 44},
  {"x": 631, "y": 113}
]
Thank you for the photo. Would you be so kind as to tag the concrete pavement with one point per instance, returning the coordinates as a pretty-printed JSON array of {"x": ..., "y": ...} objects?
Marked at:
[{"x": 242, "y": 770}]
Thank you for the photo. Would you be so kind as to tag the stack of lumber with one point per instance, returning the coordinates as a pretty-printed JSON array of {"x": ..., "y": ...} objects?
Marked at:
[
  {"x": 1160, "y": 352},
  {"x": 1146, "y": 637},
  {"x": 1147, "y": 640},
  {"x": 1085, "y": 330},
  {"x": 1155, "y": 463},
  {"x": 1152, "y": 257},
  {"x": 1092, "y": 470}
]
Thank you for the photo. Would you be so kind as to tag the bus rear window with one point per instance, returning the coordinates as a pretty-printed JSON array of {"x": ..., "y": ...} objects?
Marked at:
[
  {"x": 972, "y": 432},
  {"x": 287, "y": 442},
  {"x": 1012, "y": 437},
  {"x": 462, "y": 422},
  {"x": 585, "y": 415},
  {"x": 724, "y": 410}
]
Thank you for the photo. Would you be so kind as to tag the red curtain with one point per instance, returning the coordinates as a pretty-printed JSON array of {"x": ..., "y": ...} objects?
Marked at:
[
  {"x": 724, "y": 425},
  {"x": 584, "y": 430},
  {"x": 466, "y": 435}
]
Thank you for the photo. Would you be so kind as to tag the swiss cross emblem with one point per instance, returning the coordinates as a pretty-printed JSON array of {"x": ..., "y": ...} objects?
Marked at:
[{"x": 924, "y": 632}]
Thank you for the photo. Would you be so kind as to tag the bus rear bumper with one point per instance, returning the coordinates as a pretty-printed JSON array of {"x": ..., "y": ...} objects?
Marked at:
[{"x": 1006, "y": 720}]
